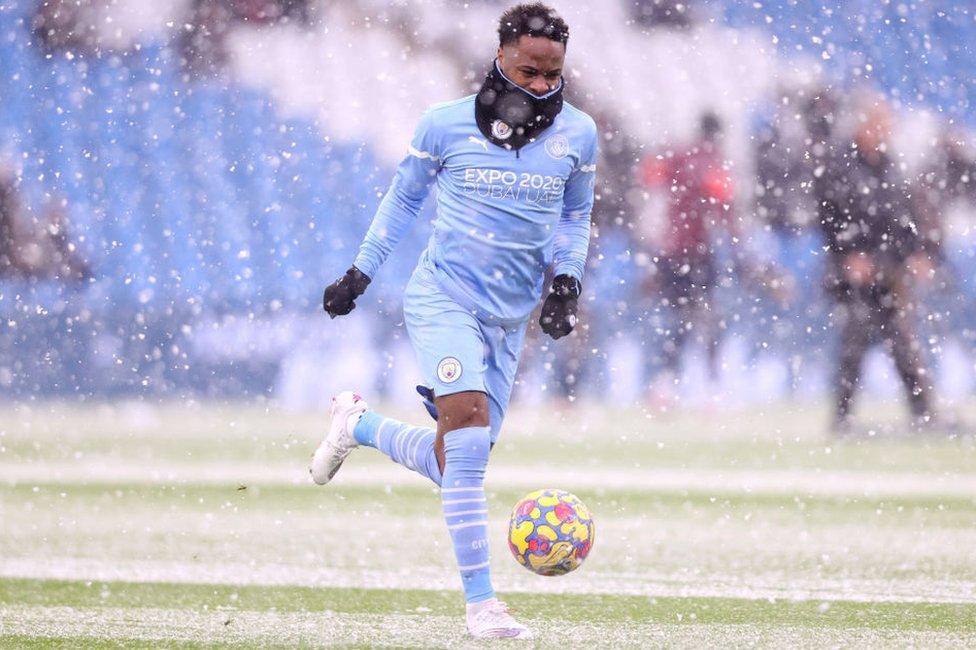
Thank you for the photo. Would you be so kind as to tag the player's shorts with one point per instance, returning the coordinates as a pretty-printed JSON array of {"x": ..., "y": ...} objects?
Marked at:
[{"x": 456, "y": 351}]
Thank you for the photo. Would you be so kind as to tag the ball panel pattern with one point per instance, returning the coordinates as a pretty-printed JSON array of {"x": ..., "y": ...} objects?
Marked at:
[{"x": 550, "y": 532}]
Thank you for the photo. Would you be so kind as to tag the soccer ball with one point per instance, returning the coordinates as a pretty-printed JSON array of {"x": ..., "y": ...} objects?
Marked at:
[{"x": 550, "y": 532}]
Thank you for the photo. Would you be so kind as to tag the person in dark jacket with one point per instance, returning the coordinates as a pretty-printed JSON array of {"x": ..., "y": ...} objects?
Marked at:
[
  {"x": 9, "y": 205},
  {"x": 876, "y": 257}
]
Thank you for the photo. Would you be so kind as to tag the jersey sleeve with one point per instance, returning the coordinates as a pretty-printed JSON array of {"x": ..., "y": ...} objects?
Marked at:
[
  {"x": 573, "y": 231},
  {"x": 403, "y": 201}
]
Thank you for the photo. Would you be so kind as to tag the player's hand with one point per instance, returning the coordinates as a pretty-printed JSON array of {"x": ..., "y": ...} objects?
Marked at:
[
  {"x": 558, "y": 315},
  {"x": 340, "y": 296}
]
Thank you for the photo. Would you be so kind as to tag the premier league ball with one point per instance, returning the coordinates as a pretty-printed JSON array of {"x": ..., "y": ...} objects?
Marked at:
[{"x": 551, "y": 532}]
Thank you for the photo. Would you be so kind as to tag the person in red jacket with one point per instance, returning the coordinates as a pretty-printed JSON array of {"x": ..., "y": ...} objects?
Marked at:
[{"x": 699, "y": 195}]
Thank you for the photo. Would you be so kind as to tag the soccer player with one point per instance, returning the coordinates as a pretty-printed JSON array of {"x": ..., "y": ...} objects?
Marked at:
[{"x": 514, "y": 167}]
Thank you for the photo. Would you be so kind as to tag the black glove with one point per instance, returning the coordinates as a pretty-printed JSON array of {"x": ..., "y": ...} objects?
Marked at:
[
  {"x": 340, "y": 295},
  {"x": 558, "y": 315}
]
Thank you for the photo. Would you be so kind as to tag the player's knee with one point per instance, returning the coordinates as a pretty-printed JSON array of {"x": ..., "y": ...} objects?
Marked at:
[
  {"x": 466, "y": 419},
  {"x": 462, "y": 410},
  {"x": 468, "y": 446}
]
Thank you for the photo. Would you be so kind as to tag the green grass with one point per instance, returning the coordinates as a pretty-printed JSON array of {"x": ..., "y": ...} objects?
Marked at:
[
  {"x": 230, "y": 606},
  {"x": 41, "y": 641},
  {"x": 136, "y": 526},
  {"x": 784, "y": 437},
  {"x": 410, "y": 494},
  {"x": 572, "y": 608}
]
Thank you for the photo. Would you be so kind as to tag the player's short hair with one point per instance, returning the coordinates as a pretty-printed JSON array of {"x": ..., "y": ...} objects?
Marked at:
[{"x": 532, "y": 19}]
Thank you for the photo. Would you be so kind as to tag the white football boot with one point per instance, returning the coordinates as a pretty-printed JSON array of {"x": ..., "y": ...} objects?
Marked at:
[
  {"x": 347, "y": 408},
  {"x": 490, "y": 619}
]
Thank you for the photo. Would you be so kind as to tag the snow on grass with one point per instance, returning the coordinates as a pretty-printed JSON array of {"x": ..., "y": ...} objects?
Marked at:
[
  {"x": 435, "y": 577},
  {"x": 373, "y": 536},
  {"x": 425, "y": 630},
  {"x": 220, "y": 497},
  {"x": 869, "y": 483}
]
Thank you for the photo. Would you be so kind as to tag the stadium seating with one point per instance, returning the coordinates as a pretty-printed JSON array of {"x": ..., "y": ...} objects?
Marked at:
[
  {"x": 916, "y": 50},
  {"x": 178, "y": 193}
]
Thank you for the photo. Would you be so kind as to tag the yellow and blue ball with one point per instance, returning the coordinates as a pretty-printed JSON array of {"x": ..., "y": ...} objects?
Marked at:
[{"x": 550, "y": 532}]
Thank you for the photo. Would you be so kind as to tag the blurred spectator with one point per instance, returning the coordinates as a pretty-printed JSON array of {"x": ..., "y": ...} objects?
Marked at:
[
  {"x": 790, "y": 325},
  {"x": 946, "y": 180},
  {"x": 937, "y": 193},
  {"x": 270, "y": 11},
  {"x": 780, "y": 201},
  {"x": 876, "y": 254},
  {"x": 698, "y": 187},
  {"x": 35, "y": 248},
  {"x": 662, "y": 13},
  {"x": 63, "y": 25},
  {"x": 203, "y": 43},
  {"x": 951, "y": 177},
  {"x": 9, "y": 207},
  {"x": 960, "y": 166},
  {"x": 57, "y": 256}
]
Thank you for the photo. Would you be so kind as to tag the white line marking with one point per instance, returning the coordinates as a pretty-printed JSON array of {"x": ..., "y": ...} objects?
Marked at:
[
  {"x": 460, "y": 489},
  {"x": 723, "y": 481},
  {"x": 423, "y": 155},
  {"x": 472, "y": 567},
  {"x": 466, "y": 512},
  {"x": 516, "y": 579},
  {"x": 160, "y": 627}
]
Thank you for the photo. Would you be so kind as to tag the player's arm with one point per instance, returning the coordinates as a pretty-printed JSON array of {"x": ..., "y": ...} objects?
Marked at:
[
  {"x": 572, "y": 240},
  {"x": 394, "y": 217}
]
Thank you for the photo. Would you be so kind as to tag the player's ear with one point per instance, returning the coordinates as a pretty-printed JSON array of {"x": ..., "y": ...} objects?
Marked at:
[{"x": 501, "y": 55}]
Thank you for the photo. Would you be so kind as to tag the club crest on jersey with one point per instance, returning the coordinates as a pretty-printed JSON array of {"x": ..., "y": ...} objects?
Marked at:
[
  {"x": 449, "y": 370},
  {"x": 557, "y": 146},
  {"x": 501, "y": 130}
]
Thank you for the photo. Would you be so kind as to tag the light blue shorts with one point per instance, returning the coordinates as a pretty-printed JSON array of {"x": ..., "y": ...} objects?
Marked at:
[{"x": 456, "y": 351}]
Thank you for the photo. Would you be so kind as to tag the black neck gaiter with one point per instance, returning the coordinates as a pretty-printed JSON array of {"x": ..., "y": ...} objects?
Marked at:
[{"x": 510, "y": 116}]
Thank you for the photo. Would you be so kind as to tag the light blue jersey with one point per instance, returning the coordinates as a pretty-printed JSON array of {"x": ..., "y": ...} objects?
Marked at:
[{"x": 503, "y": 217}]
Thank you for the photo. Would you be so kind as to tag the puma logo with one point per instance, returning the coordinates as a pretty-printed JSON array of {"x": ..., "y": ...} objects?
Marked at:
[{"x": 483, "y": 143}]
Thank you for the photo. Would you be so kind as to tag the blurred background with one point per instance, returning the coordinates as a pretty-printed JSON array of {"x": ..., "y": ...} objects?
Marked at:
[{"x": 180, "y": 179}]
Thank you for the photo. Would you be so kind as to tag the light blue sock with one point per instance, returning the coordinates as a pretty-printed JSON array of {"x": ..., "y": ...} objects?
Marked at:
[
  {"x": 410, "y": 446},
  {"x": 465, "y": 508}
]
